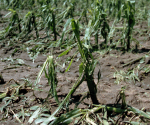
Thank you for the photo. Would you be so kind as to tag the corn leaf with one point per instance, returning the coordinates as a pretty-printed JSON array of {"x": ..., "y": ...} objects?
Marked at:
[
  {"x": 65, "y": 52},
  {"x": 81, "y": 68},
  {"x": 34, "y": 115},
  {"x": 69, "y": 65},
  {"x": 67, "y": 118},
  {"x": 139, "y": 112}
]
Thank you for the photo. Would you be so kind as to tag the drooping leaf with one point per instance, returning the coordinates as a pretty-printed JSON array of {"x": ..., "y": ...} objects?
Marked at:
[{"x": 41, "y": 71}]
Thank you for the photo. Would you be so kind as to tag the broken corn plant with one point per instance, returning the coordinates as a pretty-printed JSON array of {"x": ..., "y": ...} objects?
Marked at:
[
  {"x": 49, "y": 18},
  {"x": 50, "y": 73},
  {"x": 129, "y": 9},
  {"x": 30, "y": 24},
  {"x": 88, "y": 63},
  {"x": 14, "y": 24}
]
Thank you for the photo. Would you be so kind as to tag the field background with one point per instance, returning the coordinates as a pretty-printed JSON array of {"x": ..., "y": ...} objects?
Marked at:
[{"x": 74, "y": 62}]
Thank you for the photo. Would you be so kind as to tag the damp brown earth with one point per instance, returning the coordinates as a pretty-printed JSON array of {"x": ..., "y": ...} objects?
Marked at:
[{"x": 137, "y": 93}]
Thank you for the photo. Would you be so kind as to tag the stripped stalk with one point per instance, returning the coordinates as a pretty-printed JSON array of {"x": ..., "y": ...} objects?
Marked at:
[
  {"x": 92, "y": 87},
  {"x": 86, "y": 64}
]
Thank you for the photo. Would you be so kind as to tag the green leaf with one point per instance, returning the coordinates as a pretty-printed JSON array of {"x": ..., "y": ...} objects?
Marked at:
[
  {"x": 3, "y": 95},
  {"x": 75, "y": 28},
  {"x": 87, "y": 34},
  {"x": 65, "y": 52},
  {"x": 67, "y": 23},
  {"x": 69, "y": 65},
  {"x": 81, "y": 68},
  {"x": 64, "y": 31},
  {"x": 41, "y": 71},
  {"x": 105, "y": 122},
  {"x": 28, "y": 14},
  {"x": 13, "y": 11},
  {"x": 92, "y": 67},
  {"x": 139, "y": 112},
  {"x": 67, "y": 118}
]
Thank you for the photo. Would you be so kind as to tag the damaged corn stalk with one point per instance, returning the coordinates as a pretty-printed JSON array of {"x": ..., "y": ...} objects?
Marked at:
[{"x": 49, "y": 69}]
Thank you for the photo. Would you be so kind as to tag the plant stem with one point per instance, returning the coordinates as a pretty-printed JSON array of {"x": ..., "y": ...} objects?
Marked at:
[
  {"x": 54, "y": 27},
  {"x": 92, "y": 88},
  {"x": 75, "y": 86},
  {"x": 35, "y": 26},
  {"x": 96, "y": 41}
]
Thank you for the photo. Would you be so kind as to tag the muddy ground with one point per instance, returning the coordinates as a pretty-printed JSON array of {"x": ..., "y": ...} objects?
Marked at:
[{"x": 137, "y": 94}]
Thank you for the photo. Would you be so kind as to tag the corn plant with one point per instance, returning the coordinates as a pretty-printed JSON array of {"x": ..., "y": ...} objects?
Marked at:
[
  {"x": 50, "y": 73},
  {"x": 129, "y": 8},
  {"x": 15, "y": 23},
  {"x": 30, "y": 24},
  {"x": 86, "y": 70},
  {"x": 18, "y": 4},
  {"x": 88, "y": 63},
  {"x": 115, "y": 8},
  {"x": 128, "y": 11},
  {"x": 49, "y": 19}
]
